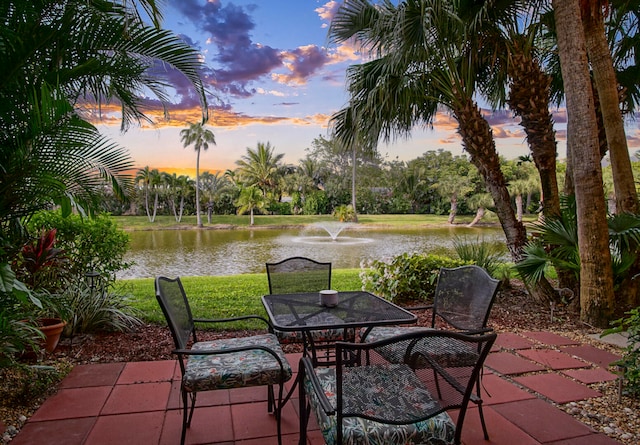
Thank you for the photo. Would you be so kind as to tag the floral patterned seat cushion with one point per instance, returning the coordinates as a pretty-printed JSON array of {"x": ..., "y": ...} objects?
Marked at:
[
  {"x": 450, "y": 354},
  {"x": 320, "y": 335},
  {"x": 407, "y": 399},
  {"x": 236, "y": 369}
]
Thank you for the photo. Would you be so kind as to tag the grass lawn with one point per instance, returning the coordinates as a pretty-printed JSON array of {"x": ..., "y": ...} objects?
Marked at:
[
  {"x": 220, "y": 296},
  {"x": 262, "y": 221}
]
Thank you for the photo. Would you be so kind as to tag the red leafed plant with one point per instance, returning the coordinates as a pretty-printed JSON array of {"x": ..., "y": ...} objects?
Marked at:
[{"x": 41, "y": 264}]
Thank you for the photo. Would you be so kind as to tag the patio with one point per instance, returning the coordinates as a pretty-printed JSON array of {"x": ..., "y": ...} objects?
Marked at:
[{"x": 136, "y": 402}]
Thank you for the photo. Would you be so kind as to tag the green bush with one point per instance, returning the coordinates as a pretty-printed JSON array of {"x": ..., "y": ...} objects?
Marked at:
[
  {"x": 408, "y": 277},
  {"x": 630, "y": 361},
  {"x": 90, "y": 244},
  {"x": 344, "y": 213}
]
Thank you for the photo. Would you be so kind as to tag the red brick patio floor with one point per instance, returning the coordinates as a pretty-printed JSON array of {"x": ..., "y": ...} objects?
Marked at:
[{"x": 138, "y": 402}]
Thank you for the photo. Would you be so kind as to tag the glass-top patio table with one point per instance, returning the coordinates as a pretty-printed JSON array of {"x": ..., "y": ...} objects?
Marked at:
[{"x": 355, "y": 309}]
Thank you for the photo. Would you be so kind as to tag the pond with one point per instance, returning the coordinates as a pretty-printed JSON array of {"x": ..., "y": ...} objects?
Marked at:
[{"x": 230, "y": 252}]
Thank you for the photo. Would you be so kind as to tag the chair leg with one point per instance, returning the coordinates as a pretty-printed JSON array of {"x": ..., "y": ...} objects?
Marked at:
[
  {"x": 484, "y": 425},
  {"x": 193, "y": 405},
  {"x": 186, "y": 419},
  {"x": 304, "y": 415},
  {"x": 270, "y": 399}
]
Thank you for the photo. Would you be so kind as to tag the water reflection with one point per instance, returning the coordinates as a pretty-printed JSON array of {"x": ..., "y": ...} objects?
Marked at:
[{"x": 228, "y": 252}]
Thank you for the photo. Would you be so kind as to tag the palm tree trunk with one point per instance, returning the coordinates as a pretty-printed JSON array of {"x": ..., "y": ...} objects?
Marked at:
[
  {"x": 155, "y": 207},
  {"x": 519, "y": 210},
  {"x": 607, "y": 86},
  {"x": 596, "y": 276},
  {"x": 353, "y": 185},
  {"x": 146, "y": 202},
  {"x": 453, "y": 211},
  {"x": 479, "y": 215},
  {"x": 529, "y": 99},
  {"x": 198, "y": 217},
  {"x": 478, "y": 141}
]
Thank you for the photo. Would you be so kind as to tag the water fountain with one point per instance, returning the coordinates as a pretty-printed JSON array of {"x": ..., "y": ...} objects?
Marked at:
[{"x": 333, "y": 229}]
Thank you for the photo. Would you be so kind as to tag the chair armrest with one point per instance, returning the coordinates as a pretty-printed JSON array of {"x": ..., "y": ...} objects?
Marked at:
[
  {"x": 230, "y": 319},
  {"x": 181, "y": 352},
  {"x": 307, "y": 364}
]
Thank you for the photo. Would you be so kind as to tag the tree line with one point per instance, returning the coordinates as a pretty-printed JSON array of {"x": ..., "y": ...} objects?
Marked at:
[{"x": 437, "y": 182}]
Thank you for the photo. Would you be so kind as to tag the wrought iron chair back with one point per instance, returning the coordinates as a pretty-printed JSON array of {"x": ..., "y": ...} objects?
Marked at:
[
  {"x": 220, "y": 364},
  {"x": 368, "y": 397},
  {"x": 298, "y": 274}
]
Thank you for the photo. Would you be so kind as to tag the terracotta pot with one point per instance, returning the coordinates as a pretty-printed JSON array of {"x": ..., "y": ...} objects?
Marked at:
[{"x": 52, "y": 329}]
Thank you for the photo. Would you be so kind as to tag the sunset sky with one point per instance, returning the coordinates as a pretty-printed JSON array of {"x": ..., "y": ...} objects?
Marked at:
[{"x": 273, "y": 77}]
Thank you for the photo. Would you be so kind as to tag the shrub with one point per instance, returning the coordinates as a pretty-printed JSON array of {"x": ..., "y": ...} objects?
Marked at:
[
  {"x": 90, "y": 244},
  {"x": 480, "y": 252},
  {"x": 630, "y": 362},
  {"x": 408, "y": 277},
  {"x": 100, "y": 309},
  {"x": 344, "y": 213}
]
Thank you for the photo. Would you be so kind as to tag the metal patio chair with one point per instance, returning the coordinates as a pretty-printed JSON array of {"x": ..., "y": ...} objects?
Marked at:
[
  {"x": 463, "y": 300},
  {"x": 220, "y": 364},
  {"x": 367, "y": 398},
  {"x": 300, "y": 274}
]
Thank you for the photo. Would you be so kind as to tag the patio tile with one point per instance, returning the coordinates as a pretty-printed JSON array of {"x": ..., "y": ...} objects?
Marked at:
[
  {"x": 144, "y": 372},
  {"x": 592, "y": 354},
  {"x": 73, "y": 402},
  {"x": 508, "y": 363},
  {"x": 210, "y": 424},
  {"x": 591, "y": 439},
  {"x": 496, "y": 390},
  {"x": 248, "y": 395},
  {"x": 287, "y": 439},
  {"x": 549, "y": 338},
  {"x": 55, "y": 432},
  {"x": 132, "y": 428},
  {"x": 557, "y": 388},
  {"x": 553, "y": 359},
  {"x": 591, "y": 375},
  {"x": 138, "y": 398},
  {"x": 511, "y": 340},
  {"x": 501, "y": 431},
  {"x": 99, "y": 374},
  {"x": 261, "y": 423},
  {"x": 542, "y": 421}
]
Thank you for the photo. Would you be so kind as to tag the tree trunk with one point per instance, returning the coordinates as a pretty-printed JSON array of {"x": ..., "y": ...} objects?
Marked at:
[
  {"x": 479, "y": 215},
  {"x": 519, "y": 211},
  {"x": 353, "y": 185},
  {"x": 198, "y": 216},
  {"x": 596, "y": 277},
  {"x": 453, "y": 211},
  {"x": 607, "y": 87},
  {"x": 251, "y": 219},
  {"x": 478, "y": 141},
  {"x": 155, "y": 207},
  {"x": 529, "y": 99}
]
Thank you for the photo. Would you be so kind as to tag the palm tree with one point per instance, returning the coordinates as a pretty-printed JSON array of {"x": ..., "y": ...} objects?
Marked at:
[
  {"x": 596, "y": 279},
  {"x": 250, "y": 199},
  {"x": 423, "y": 61},
  {"x": 214, "y": 185},
  {"x": 57, "y": 57},
  {"x": 261, "y": 168},
  {"x": 144, "y": 176},
  {"x": 200, "y": 137}
]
